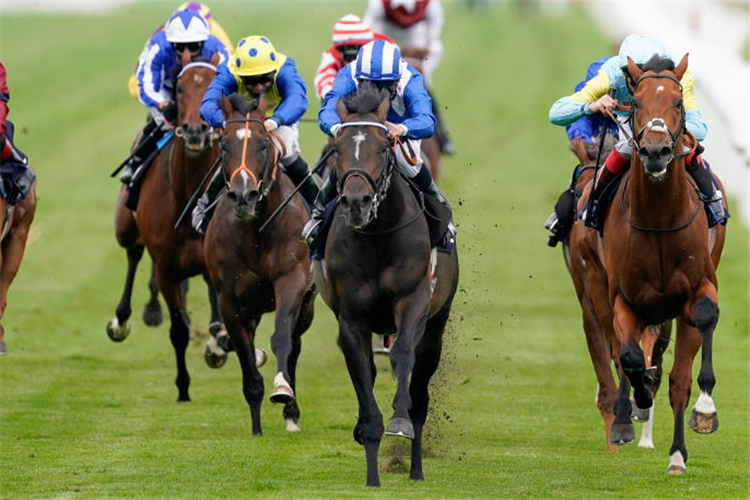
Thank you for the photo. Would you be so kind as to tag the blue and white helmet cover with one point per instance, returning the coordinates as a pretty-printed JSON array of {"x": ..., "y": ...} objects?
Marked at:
[
  {"x": 379, "y": 61},
  {"x": 187, "y": 26}
]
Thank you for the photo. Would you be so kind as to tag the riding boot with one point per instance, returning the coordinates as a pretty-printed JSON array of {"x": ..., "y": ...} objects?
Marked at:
[
  {"x": 436, "y": 204},
  {"x": 561, "y": 218},
  {"x": 299, "y": 173},
  {"x": 446, "y": 146},
  {"x": 591, "y": 216},
  {"x": 710, "y": 195},
  {"x": 201, "y": 214},
  {"x": 146, "y": 145},
  {"x": 325, "y": 195}
]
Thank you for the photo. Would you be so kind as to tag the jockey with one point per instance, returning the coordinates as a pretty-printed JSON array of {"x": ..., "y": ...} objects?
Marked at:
[
  {"x": 186, "y": 30},
  {"x": 349, "y": 34},
  {"x": 595, "y": 97},
  {"x": 19, "y": 176},
  {"x": 414, "y": 24},
  {"x": 410, "y": 117},
  {"x": 257, "y": 68},
  {"x": 213, "y": 24}
]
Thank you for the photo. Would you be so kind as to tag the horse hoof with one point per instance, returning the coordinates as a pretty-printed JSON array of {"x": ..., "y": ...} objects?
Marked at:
[
  {"x": 676, "y": 470},
  {"x": 214, "y": 355},
  {"x": 291, "y": 425},
  {"x": 622, "y": 433},
  {"x": 261, "y": 357},
  {"x": 118, "y": 332},
  {"x": 152, "y": 314},
  {"x": 282, "y": 391},
  {"x": 398, "y": 426},
  {"x": 3, "y": 348},
  {"x": 703, "y": 423}
]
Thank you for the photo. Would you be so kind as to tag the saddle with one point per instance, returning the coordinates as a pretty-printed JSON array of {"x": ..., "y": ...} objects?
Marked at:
[
  {"x": 15, "y": 181},
  {"x": 134, "y": 188}
]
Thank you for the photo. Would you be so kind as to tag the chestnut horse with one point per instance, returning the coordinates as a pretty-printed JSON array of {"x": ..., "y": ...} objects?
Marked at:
[
  {"x": 177, "y": 253},
  {"x": 589, "y": 277},
  {"x": 430, "y": 146},
  {"x": 14, "y": 230},
  {"x": 378, "y": 276},
  {"x": 258, "y": 272},
  {"x": 660, "y": 258}
]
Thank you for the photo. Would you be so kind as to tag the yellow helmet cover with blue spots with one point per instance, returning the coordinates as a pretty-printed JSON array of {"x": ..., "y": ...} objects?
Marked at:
[{"x": 255, "y": 55}]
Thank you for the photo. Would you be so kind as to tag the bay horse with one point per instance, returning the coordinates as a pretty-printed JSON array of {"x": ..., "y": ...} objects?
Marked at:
[
  {"x": 14, "y": 231},
  {"x": 431, "y": 146},
  {"x": 258, "y": 272},
  {"x": 377, "y": 277},
  {"x": 584, "y": 263},
  {"x": 660, "y": 258},
  {"x": 177, "y": 253}
]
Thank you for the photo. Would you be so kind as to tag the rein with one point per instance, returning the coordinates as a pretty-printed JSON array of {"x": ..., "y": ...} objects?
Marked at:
[{"x": 655, "y": 229}]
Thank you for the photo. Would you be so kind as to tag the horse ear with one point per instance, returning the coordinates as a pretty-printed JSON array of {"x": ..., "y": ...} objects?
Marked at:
[
  {"x": 681, "y": 67},
  {"x": 383, "y": 109},
  {"x": 579, "y": 149},
  {"x": 341, "y": 109},
  {"x": 634, "y": 71},
  {"x": 262, "y": 103},
  {"x": 215, "y": 59}
]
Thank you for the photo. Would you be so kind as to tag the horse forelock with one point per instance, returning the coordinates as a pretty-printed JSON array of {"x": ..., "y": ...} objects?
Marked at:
[
  {"x": 366, "y": 100},
  {"x": 657, "y": 64},
  {"x": 243, "y": 104}
]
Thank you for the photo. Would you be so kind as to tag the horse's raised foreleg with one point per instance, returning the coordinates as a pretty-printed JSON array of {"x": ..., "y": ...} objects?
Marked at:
[
  {"x": 703, "y": 418},
  {"x": 216, "y": 323},
  {"x": 410, "y": 314},
  {"x": 152, "y": 314},
  {"x": 632, "y": 359},
  {"x": 355, "y": 341},
  {"x": 118, "y": 327},
  {"x": 291, "y": 410},
  {"x": 427, "y": 358},
  {"x": 179, "y": 330},
  {"x": 687, "y": 343}
]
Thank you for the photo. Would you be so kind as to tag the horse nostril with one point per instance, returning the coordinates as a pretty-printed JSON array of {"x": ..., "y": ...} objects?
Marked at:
[
  {"x": 666, "y": 152},
  {"x": 205, "y": 128},
  {"x": 344, "y": 201},
  {"x": 366, "y": 200},
  {"x": 232, "y": 196}
]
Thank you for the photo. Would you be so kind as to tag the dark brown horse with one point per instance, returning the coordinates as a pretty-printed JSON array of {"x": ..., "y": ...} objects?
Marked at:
[
  {"x": 258, "y": 272},
  {"x": 660, "y": 258},
  {"x": 589, "y": 277},
  {"x": 380, "y": 276},
  {"x": 430, "y": 146},
  {"x": 14, "y": 230},
  {"x": 167, "y": 185}
]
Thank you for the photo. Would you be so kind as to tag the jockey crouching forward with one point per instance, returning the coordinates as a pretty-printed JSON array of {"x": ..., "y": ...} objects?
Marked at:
[
  {"x": 594, "y": 98},
  {"x": 410, "y": 117},
  {"x": 16, "y": 177},
  {"x": 257, "y": 68},
  {"x": 186, "y": 31}
]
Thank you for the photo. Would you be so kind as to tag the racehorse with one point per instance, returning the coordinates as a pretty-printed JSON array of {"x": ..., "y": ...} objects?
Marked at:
[
  {"x": 14, "y": 230},
  {"x": 587, "y": 272},
  {"x": 377, "y": 277},
  {"x": 177, "y": 253},
  {"x": 430, "y": 146},
  {"x": 257, "y": 272},
  {"x": 660, "y": 257}
]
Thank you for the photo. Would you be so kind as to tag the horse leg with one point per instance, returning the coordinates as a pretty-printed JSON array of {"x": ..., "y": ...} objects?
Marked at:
[
  {"x": 687, "y": 343},
  {"x": 291, "y": 410},
  {"x": 152, "y": 314},
  {"x": 632, "y": 358},
  {"x": 655, "y": 342},
  {"x": 216, "y": 324},
  {"x": 179, "y": 330},
  {"x": 10, "y": 260},
  {"x": 219, "y": 344},
  {"x": 118, "y": 327},
  {"x": 622, "y": 430},
  {"x": 427, "y": 357},
  {"x": 703, "y": 419},
  {"x": 355, "y": 341}
]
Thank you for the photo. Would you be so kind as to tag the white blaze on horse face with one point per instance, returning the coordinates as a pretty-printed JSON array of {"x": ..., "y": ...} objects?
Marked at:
[
  {"x": 245, "y": 177},
  {"x": 358, "y": 139},
  {"x": 657, "y": 125},
  {"x": 241, "y": 133},
  {"x": 660, "y": 89},
  {"x": 198, "y": 78}
]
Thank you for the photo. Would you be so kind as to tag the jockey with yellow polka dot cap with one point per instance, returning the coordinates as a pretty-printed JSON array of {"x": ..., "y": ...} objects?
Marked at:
[{"x": 256, "y": 68}]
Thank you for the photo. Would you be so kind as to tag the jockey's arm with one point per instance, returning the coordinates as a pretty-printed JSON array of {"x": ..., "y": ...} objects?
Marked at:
[
  {"x": 343, "y": 86},
  {"x": 293, "y": 95},
  {"x": 570, "y": 108},
  {"x": 420, "y": 121},
  {"x": 326, "y": 74},
  {"x": 222, "y": 84},
  {"x": 215, "y": 45},
  {"x": 149, "y": 77},
  {"x": 693, "y": 118}
]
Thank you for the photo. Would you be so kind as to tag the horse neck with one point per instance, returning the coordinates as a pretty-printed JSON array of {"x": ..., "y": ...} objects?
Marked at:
[
  {"x": 664, "y": 203},
  {"x": 187, "y": 171}
]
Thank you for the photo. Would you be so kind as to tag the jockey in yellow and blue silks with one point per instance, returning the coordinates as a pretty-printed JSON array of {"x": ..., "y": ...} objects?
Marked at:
[
  {"x": 186, "y": 30},
  {"x": 214, "y": 28},
  {"x": 595, "y": 97},
  {"x": 410, "y": 116},
  {"x": 255, "y": 68}
]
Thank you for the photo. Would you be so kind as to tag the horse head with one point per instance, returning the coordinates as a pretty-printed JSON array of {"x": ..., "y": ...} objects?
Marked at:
[
  {"x": 364, "y": 154},
  {"x": 658, "y": 113},
  {"x": 192, "y": 83},
  {"x": 250, "y": 158}
]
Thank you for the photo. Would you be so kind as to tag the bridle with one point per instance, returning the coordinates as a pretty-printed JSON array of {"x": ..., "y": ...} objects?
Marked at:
[{"x": 265, "y": 183}]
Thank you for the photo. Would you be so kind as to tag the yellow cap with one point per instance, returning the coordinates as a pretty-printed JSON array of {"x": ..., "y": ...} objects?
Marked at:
[{"x": 254, "y": 55}]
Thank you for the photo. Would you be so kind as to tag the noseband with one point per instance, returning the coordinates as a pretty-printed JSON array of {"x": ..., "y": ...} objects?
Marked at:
[
  {"x": 657, "y": 124},
  {"x": 263, "y": 185},
  {"x": 379, "y": 187}
]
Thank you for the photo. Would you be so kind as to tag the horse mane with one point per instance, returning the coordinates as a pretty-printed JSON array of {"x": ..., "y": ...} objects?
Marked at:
[
  {"x": 242, "y": 103},
  {"x": 366, "y": 100},
  {"x": 657, "y": 64}
]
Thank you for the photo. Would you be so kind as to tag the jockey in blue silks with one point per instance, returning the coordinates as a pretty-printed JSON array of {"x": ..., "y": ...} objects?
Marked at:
[
  {"x": 410, "y": 116},
  {"x": 186, "y": 30},
  {"x": 256, "y": 68}
]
